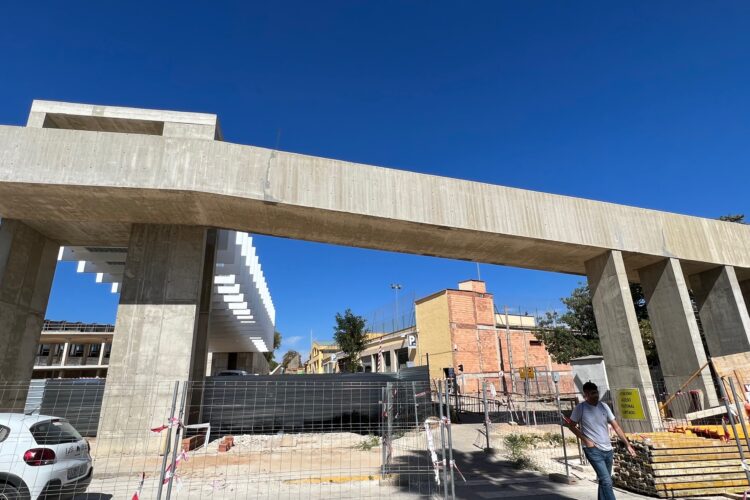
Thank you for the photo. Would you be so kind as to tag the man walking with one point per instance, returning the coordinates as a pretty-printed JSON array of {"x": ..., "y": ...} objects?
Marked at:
[{"x": 590, "y": 421}]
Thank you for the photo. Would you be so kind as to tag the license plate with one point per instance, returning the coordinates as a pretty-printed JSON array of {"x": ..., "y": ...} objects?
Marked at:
[{"x": 77, "y": 471}]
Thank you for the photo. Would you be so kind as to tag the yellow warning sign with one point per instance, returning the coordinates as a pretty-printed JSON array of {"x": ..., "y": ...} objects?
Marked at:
[
  {"x": 526, "y": 372},
  {"x": 629, "y": 403}
]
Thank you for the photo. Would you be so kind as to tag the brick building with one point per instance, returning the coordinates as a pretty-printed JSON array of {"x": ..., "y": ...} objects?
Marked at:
[{"x": 459, "y": 329}]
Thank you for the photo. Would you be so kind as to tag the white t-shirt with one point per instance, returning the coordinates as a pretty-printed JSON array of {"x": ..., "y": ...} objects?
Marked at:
[{"x": 594, "y": 423}]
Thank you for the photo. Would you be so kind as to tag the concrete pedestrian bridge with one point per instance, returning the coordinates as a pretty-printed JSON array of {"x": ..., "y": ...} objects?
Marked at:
[{"x": 160, "y": 182}]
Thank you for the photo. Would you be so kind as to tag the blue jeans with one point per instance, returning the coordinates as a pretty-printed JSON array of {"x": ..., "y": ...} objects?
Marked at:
[{"x": 601, "y": 461}]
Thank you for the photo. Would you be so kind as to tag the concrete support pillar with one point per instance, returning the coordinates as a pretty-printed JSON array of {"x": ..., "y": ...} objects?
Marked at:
[
  {"x": 373, "y": 363},
  {"x": 86, "y": 354},
  {"x": 676, "y": 333},
  {"x": 160, "y": 333},
  {"x": 745, "y": 288},
  {"x": 722, "y": 310},
  {"x": 64, "y": 357},
  {"x": 27, "y": 266},
  {"x": 394, "y": 361},
  {"x": 101, "y": 353},
  {"x": 624, "y": 356}
]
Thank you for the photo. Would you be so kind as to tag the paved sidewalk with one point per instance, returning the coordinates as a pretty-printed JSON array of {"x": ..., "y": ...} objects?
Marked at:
[{"x": 491, "y": 477}]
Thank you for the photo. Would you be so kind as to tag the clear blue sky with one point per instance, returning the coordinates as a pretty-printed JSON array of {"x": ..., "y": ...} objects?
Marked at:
[{"x": 641, "y": 103}]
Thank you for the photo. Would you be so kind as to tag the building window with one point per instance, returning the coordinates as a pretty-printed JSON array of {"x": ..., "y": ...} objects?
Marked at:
[
  {"x": 535, "y": 342},
  {"x": 75, "y": 351}
]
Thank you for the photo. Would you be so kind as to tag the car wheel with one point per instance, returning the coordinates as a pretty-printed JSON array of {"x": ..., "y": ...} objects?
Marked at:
[{"x": 9, "y": 492}]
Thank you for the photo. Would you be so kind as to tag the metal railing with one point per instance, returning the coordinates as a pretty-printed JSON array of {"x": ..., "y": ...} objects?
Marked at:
[{"x": 65, "y": 326}]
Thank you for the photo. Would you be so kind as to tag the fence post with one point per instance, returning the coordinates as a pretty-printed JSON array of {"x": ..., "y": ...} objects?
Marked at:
[
  {"x": 168, "y": 445},
  {"x": 383, "y": 413},
  {"x": 450, "y": 437},
  {"x": 389, "y": 407},
  {"x": 178, "y": 443},
  {"x": 739, "y": 412},
  {"x": 442, "y": 439},
  {"x": 526, "y": 399},
  {"x": 416, "y": 404},
  {"x": 562, "y": 430},
  {"x": 486, "y": 416}
]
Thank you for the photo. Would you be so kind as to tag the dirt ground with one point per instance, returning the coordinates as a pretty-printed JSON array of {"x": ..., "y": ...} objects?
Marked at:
[{"x": 314, "y": 465}]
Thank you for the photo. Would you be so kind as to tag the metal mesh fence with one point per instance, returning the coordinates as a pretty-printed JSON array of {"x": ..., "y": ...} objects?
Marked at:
[
  {"x": 236, "y": 439},
  {"x": 524, "y": 429}
]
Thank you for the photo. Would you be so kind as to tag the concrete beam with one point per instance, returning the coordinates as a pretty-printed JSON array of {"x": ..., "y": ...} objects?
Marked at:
[
  {"x": 676, "y": 332},
  {"x": 625, "y": 358},
  {"x": 74, "y": 116},
  {"x": 722, "y": 310},
  {"x": 84, "y": 184},
  {"x": 27, "y": 266},
  {"x": 161, "y": 330}
]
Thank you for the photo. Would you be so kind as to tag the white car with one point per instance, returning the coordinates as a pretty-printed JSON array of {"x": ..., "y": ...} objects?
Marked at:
[{"x": 41, "y": 457}]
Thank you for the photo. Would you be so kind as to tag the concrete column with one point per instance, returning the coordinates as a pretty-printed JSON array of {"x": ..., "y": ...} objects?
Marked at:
[
  {"x": 160, "y": 333},
  {"x": 64, "y": 357},
  {"x": 373, "y": 363},
  {"x": 101, "y": 353},
  {"x": 51, "y": 354},
  {"x": 394, "y": 361},
  {"x": 745, "y": 287},
  {"x": 86, "y": 354},
  {"x": 722, "y": 309},
  {"x": 676, "y": 333},
  {"x": 624, "y": 356},
  {"x": 27, "y": 266}
]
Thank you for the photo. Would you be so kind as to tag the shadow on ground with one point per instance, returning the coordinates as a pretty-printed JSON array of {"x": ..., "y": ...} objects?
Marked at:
[{"x": 486, "y": 477}]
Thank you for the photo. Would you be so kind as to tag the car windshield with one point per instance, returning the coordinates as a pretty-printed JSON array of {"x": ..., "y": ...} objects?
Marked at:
[{"x": 54, "y": 432}]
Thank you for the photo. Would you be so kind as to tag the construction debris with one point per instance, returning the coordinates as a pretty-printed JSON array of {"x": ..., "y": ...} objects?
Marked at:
[{"x": 226, "y": 444}]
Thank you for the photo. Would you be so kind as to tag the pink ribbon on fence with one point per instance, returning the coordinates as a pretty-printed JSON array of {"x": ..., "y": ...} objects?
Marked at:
[
  {"x": 171, "y": 422},
  {"x": 168, "y": 473}
]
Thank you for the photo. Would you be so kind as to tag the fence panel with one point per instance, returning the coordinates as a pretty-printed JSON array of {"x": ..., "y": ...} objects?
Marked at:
[
  {"x": 313, "y": 438},
  {"x": 292, "y": 437},
  {"x": 523, "y": 428}
]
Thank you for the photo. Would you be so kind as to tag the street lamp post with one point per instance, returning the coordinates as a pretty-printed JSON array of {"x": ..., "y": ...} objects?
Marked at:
[{"x": 396, "y": 287}]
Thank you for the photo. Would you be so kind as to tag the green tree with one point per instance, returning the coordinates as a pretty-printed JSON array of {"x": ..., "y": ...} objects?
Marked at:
[
  {"x": 270, "y": 355},
  {"x": 289, "y": 358},
  {"x": 574, "y": 333},
  {"x": 350, "y": 333},
  {"x": 739, "y": 218}
]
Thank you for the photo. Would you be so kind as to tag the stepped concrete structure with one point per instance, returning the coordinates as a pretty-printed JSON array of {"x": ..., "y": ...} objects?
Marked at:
[{"x": 160, "y": 183}]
